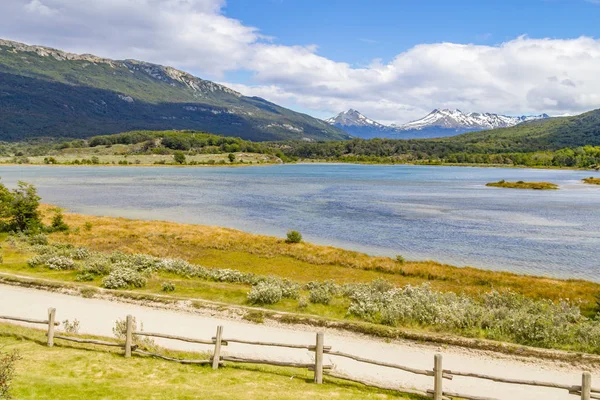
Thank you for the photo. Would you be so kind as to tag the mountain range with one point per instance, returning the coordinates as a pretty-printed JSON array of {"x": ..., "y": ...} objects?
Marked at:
[
  {"x": 49, "y": 92},
  {"x": 438, "y": 123}
]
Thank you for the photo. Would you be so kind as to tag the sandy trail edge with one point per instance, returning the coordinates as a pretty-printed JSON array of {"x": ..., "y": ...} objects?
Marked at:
[{"x": 97, "y": 317}]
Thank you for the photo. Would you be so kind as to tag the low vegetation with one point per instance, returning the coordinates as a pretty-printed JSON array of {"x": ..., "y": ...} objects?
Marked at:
[
  {"x": 499, "y": 315},
  {"x": 318, "y": 280},
  {"x": 75, "y": 371},
  {"x": 592, "y": 181},
  {"x": 524, "y": 185}
]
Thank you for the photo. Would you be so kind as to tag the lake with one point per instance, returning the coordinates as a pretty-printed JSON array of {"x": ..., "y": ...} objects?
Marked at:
[{"x": 422, "y": 212}]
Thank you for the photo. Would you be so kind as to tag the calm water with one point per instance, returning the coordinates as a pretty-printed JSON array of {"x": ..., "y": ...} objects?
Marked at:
[{"x": 439, "y": 213}]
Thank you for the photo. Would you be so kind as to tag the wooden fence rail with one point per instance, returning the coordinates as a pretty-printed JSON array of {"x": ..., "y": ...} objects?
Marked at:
[{"x": 585, "y": 391}]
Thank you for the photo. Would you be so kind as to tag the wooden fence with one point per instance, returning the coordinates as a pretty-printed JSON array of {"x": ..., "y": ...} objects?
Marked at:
[{"x": 585, "y": 390}]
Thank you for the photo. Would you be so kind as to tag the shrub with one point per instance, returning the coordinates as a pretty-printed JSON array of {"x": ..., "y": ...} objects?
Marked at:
[
  {"x": 120, "y": 278},
  {"x": 7, "y": 371},
  {"x": 58, "y": 223},
  {"x": 231, "y": 157},
  {"x": 293, "y": 237},
  {"x": 60, "y": 263},
  {"x": 168, "y": 287},
  {"x": 179, "y": 157},
  {"x": 85, "y": 276},
  {"x": 38, "y": 239},
  {"x": 302, "y": 303},
  {"x": 400, "y": 260},
  {"x": 265, "y": 293},
  {"x": 71, "y": 327},
  {"x": 87, "y": 226},
  {"x": 320, "y": 295}
]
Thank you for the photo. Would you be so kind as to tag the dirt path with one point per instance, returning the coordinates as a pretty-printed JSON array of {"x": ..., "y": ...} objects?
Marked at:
[{"x": 98, "y": 316}]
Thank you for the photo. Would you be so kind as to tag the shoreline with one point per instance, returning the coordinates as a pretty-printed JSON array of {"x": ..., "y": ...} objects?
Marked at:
[{"x": 308, "y": 162}]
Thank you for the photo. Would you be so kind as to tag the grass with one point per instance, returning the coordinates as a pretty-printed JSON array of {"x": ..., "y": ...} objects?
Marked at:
[
  {"x": 67, "y": 157},
  {"x": 265, "y": 255},
  {"x": 73, "y": 371},
  {"x": 592, "y": 181},
  {"x": 524, "y": 185}
]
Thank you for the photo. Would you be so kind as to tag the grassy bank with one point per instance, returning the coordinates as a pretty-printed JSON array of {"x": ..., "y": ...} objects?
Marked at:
[
  {"x": 73, "y": 371},
  {"x": 524, "y": 185},
  {"x": 228, "y": 264}
]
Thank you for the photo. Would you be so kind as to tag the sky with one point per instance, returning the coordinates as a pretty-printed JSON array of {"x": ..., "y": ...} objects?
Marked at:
[{"x": 393, "y": 60}]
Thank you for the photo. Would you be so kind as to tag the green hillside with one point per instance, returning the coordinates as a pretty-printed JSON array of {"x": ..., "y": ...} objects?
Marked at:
[
  {"x": 47, "y": 92},
  {"x": 547, "y": 134}
]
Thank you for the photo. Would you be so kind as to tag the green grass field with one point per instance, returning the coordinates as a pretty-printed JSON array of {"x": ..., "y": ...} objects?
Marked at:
[{"x": 73, "y": 371}]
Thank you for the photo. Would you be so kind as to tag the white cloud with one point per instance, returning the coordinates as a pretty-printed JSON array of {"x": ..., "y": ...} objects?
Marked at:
[{"x": 523, "y": 75}]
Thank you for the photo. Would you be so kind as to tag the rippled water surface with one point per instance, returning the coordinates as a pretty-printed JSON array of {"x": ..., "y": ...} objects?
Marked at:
[{"x": 439, "y": 213}]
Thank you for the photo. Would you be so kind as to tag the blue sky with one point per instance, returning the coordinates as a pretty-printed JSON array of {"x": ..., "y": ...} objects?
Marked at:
[
  {"x": 358, "y": 31},
  {"x": 394, "y": 61}
]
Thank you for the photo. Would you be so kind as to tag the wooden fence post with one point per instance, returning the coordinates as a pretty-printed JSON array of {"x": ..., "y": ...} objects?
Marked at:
[
  {"x": 586, "y": 386},
  {"x": 51, "y": 318},
  {"x": 217, "y": 353},
  {"x": 438, "y": 377},
  {"x": 319, "y": 358},
  {"x": 128, "y": 336}
]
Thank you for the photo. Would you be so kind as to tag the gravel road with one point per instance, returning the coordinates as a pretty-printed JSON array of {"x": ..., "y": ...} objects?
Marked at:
[{"x": 98, "y": 316}]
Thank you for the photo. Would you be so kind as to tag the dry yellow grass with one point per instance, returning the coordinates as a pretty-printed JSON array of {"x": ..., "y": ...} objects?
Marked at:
[{"x": 229, "y": 248}]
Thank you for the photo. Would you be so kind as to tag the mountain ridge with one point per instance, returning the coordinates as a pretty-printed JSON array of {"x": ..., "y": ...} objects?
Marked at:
[
  {"x": 50, "y": 92},
  {"x": 438, "y": 123}
]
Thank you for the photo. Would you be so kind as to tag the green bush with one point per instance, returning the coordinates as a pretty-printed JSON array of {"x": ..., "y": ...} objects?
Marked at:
[
  {"x": 179, "y": 157},
  {"x": 320, "y": 295},
  {"x": 168, "y": 287},
  {"x": 400, "y": 259},
  {"x": 293, "y": 237},
  {"x": 58, "y": 223},
  {"x": 121, "y": 278},
  {"x": 265, "y": 293}
]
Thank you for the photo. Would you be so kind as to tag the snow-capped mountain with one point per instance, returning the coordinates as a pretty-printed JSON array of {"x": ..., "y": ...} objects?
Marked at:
[
  {"x": 352, "y": 118},
  {"x": 456, "y": 119},
  {"x": 356, "y": 124},
  {"x": 438, "y": 123}
]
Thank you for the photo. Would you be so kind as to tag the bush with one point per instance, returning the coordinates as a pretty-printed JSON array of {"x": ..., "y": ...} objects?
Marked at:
[
  {"x": 293, "y": 237},
  {"x": 58, "y": 223},
  {"x": 60, "y": 263},
  {"x": 7, "y": 371},
  {"x": 179, "y": 157},
  {"x": 120, "y": 278},
  {"x": 20, "y": 206},
  {"x": 168, "y": 287},
  {"x": 400, "y": 260},
  {"x": 71, "y": 327},
  {"x": 87, "y": 226},
  {"x": 85, "y": 276},
  {"x": 265, "y": 293},
  {"x": 320, "y": 295},
  {"x": 39, "y": 239},
  {"x": 231, "y": 157}
]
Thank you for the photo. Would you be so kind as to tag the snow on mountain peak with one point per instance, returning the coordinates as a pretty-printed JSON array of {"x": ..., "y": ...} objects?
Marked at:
[
  {"x": 456, "y": 119},
  {"x": 352, "y": 118}
]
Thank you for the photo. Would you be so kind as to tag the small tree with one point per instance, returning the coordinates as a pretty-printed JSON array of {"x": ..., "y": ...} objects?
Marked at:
[
  {"x": 7, "y": 371},
  {"x": 23, "y": 203},
  {"x": 231, "y": 157},
  {"x": 58, "y": 223},
  {"x": 179, "y": 157},
  {"x": 293, "y": 237}
]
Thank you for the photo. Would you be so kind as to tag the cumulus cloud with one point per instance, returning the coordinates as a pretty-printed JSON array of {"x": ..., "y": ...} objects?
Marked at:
[{"x": 523, "y": 75}]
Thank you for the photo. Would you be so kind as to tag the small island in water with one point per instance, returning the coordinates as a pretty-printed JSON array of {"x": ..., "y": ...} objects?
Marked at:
[
  {"x": 592, "y": 181},
  {"x": 524, "y": 185}
]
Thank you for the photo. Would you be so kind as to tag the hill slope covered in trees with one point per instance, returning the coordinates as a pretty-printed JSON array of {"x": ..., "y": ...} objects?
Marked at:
[{"x": 48, "y": 92}]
